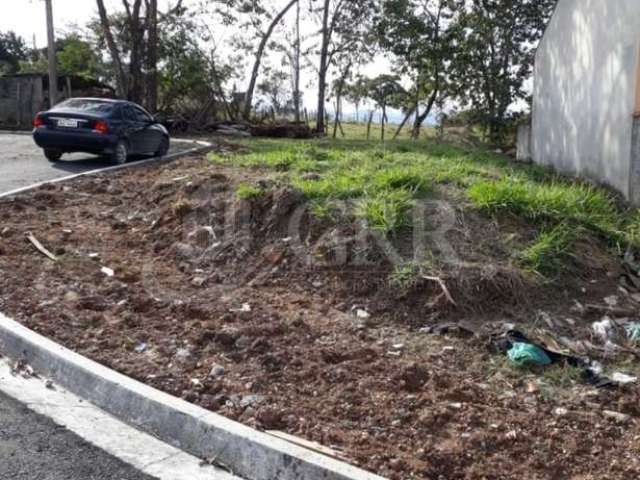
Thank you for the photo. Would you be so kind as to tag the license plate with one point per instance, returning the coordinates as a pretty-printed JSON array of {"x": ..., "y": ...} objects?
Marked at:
[{"x": 68, "y": 123}]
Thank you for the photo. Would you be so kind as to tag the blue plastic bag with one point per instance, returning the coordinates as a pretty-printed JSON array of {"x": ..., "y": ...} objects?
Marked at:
[
  {"x": 633, "y": 332},
  {"x": 524, "y": 354}
]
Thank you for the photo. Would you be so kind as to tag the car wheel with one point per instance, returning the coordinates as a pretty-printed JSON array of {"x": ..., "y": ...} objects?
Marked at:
[
  {"x": 163, "y": 149},
  {"x": 53, "y": 155},
  {"x": 120, "y": 153}
]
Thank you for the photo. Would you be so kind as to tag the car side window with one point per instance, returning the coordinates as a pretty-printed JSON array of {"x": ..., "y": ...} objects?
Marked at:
[
  {"x": 128, "y": 114},
  {"x": 141, "y": 115}
]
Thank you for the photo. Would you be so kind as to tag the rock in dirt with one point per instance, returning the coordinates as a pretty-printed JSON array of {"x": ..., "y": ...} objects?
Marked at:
[
  {"x": 243, "y": 343},
  {"x": 217, "y": 371},
  {"x": 182, "y": 355},
  {"x": 270, "y": 418},
  {"x": 413, "y": 377},
  {"x": 71, "y": 297},
  {"x": 251, "y": 400}
]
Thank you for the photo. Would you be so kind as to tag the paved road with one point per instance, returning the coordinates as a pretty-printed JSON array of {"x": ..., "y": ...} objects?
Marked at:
[
  {"x": 22, "y": 162},
  {"x": 33, "y": 447}
]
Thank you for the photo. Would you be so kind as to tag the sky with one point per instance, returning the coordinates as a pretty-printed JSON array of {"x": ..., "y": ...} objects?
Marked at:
[{"x": 27, "y": 18}]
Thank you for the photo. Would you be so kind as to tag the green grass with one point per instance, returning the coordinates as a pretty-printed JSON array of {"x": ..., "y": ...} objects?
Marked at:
[
  {"x": 548, "y": 255},
  {"x": 246, "y": 191},
  {"x": 386, "y": 210},
  {"x": 382, "y": 181},
  {"x": 557, "y": 201}
]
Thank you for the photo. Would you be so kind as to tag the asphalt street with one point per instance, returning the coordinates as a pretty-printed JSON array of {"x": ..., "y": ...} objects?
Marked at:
[
  {"x": 22, "y": 163},
  {"x": 32, "y": 447}
]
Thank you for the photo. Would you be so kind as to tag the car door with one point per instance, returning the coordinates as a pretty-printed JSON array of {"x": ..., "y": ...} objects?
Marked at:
[
  {"x": 151, "y": 136},
  {"x": 134, "y": 130}
]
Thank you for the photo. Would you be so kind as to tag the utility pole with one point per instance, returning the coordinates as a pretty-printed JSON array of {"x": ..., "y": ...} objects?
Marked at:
[{"x": 51, "y": 50}]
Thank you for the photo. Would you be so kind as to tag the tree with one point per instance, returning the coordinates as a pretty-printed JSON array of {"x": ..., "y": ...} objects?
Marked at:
[
  {"x": 497, "y": 40},
  {"x": 77, "y": 56},
  {"x": 152, "y": 55},
  {"x": 422, "y": 36},
  {"x": 264, "y": 38},
  {"x": 12, "y": 51},
  {"x": 386, "y": 91},
  {"x": 133, "y": 45},
  {"x": 274, "y": 88},
  {"x": 344, "y": 25}
]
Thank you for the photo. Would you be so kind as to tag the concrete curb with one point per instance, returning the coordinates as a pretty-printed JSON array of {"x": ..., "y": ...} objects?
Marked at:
[
  {"x": 247, "y": 452},
  {"x": 167, "y": 158}
]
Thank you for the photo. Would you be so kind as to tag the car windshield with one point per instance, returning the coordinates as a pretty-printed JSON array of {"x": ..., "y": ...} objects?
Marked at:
[{"x": 87, "y": 105}]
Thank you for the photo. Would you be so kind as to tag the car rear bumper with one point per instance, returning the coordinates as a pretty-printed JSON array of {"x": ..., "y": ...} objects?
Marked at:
[{"x": 74, "y": 141}]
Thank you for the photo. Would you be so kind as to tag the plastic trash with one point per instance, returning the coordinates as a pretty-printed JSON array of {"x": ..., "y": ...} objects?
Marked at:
[
  {"x": 604, "y": 329},
  {"x": 633, "y": 332},
  {"x": 523, "y": 354},
  {"x": 623, "y": 378}
]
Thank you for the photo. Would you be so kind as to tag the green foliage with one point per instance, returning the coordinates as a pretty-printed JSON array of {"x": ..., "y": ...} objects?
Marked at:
[
  {"x": 404, "y": 277},
  {"x": 386, "y": 210},
  {"x": 13, "y": 50},
  {"x": 246, "y": 191},
  {"x": 557, "y": 201},
  {"x": 494, "y": 55},
  {"x": 548, "y": 255},
  {"x": 78, "y": 57}
]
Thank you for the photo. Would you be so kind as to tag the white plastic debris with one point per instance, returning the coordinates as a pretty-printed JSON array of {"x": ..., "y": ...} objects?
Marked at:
[
  {"x": 363, "y": 314},
  {"x": 245, "y": 308},
  {"x": 603, "y": 329},
  {"x": 107, "y": 271},
  {"x": 623, "y": 378}
]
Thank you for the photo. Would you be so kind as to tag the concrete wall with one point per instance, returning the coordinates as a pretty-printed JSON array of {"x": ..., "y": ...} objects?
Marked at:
[
  {"x": 20, "y": 99},
  {"x": 585, "y": 90}
]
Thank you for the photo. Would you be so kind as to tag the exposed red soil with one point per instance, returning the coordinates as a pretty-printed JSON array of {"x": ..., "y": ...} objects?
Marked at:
[{"x": 277, "y": 312}]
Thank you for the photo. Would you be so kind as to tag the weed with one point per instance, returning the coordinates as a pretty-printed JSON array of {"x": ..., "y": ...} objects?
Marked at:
[
  {"x": 246, "y": 191},
  {"x": 404, "y": 277},
  {"x": 551, "y": 249},
  {"x": 386, "y": 210}
]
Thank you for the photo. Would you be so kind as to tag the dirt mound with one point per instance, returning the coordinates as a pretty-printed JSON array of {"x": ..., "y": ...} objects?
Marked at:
[{"x": 261, "y": 311}]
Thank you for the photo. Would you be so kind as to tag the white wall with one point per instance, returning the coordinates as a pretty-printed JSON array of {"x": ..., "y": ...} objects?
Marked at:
[{"x": 584, "y": 90}]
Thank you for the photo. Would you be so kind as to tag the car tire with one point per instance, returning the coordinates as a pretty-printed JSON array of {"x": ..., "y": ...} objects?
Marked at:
[
  {"x": 53, "y": 155},
  {"x": 163, "y": 149},
  {"x": 120, "y": 153}
]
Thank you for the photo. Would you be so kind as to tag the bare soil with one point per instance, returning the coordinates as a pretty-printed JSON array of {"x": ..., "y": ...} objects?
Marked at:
[{"x": 254, "y": 309}]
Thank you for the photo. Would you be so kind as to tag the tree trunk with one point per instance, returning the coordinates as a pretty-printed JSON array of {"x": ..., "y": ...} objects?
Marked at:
[
  {"x": 336, "y": 119},
  {"x": 136, "y": 82},
  {"x": 296, "y": 93},
  {"x": 382, "y": 122},
  {"x": 322, "y": 75},
  {"x": 404, "y": 122},
  {"x": 248, "y": 99},
  {"x": 152, "y": 56},
  {"x": 420, "y": 118},
  {"x": 341, "y": 83},
  {"x": 121, "y": 77},
  {"x": 369, "y": 124}
]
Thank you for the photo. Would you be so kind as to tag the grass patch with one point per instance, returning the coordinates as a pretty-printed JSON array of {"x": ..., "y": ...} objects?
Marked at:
[
  {"x": 381, "y": 181},
  {"x": 385, "y": 210},
  {"x": 555, "y": 201},
  {"x": 548, "y": 255},
  {"x": 246, "y": 191}
]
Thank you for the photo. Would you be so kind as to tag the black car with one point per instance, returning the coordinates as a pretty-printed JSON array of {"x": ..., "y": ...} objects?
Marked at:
[{"x": 114, "y": 128}]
